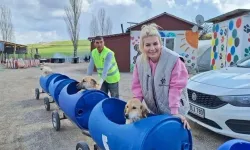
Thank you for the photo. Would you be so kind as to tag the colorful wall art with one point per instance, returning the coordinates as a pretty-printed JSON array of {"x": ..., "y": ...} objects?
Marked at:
[
  {"x": 230, "y": 42},
  {"x": 134, "y": 48},
  {"x": 246, "y": 36},
  {"x": 183, "y": 42}
]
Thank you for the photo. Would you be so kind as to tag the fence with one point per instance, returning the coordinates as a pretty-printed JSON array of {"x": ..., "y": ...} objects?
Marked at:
[{"x": 21, "y": 63}]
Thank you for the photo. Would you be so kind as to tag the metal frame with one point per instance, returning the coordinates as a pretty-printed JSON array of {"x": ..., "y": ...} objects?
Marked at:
[
  {"x": 56, "y": 118},
  {"x": 46, "y": 103},
  {"x": 55, "y": 123}
]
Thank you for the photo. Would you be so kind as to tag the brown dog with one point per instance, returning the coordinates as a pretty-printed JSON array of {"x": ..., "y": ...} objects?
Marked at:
[
  {"x": 134, "y": 111},
  {"x": 88, "y": 82}
]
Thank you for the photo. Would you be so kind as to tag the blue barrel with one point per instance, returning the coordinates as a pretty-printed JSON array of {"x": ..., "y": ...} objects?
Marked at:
[
  {"x": 57, "y": 84},
  {"x": 45, "y": 81},
  {"x": 235, "y": 144},
  {"x": 77, "y": 105},
  {"x": 158, "y": 132}
]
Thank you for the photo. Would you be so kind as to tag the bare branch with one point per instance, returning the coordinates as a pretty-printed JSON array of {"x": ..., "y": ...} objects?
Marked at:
[
  {"x": 6, "y": 26},
  {"x": 73, "y": 13},
  {"x": 206, "y": 29},
  {"x": 101, "y": 19},
  {"x": 93, "y": 28},
  {"x": 109, "y": 26},
  {"x": 105, "y": 24}
]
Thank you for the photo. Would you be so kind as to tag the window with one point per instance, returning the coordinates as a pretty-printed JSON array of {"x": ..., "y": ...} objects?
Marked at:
[
  {"x": 162, "y": 39},
  {"x": 168, "y": 42}
]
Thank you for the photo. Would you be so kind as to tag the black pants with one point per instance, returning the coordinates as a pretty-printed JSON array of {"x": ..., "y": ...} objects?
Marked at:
[{"x": 113, "y": 88}]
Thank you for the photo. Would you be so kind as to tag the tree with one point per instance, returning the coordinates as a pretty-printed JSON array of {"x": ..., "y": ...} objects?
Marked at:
[
  {"x": 109, "y": 26},
  {"x": 105, "y": 24},
  {"x": 207, "y": 28},
  {"x": 94, "y": 30},
  {"x": 101, "y": 19},
  {"x": 6, "y": 26},
  {"x": 73, "y": 13}
]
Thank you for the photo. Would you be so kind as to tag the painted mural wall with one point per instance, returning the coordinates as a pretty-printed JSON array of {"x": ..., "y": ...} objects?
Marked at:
[
  {"x": 185, "y": 43},
  {"x": 230, "y": 42},
  {"x": 246, "y": 36}
]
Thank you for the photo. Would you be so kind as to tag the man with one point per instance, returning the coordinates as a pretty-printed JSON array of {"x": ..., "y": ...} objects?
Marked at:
[{"x": 104, "y": 60}]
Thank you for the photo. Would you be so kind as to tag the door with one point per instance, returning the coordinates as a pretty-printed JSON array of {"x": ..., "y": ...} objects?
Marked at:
[
  {"x": 223, "y": 46},
  {"x": 219, "y": 47}
]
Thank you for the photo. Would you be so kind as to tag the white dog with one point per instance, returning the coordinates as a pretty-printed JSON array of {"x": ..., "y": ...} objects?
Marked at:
[{"x": 46, "y": 70}]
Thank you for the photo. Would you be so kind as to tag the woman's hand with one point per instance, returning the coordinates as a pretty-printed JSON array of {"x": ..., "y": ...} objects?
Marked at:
[{"x": 184, "y": 121}]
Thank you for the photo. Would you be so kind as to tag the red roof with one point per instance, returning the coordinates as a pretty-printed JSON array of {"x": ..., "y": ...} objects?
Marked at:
[
  {"x": 148, "y": 20},
  {"x": 160, "y": 15},
  {"x": 111, "y": 35}
]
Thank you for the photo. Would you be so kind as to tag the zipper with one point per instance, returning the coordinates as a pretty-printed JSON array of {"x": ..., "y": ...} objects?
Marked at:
[
  {"x": 154, "y": 94},
  {"x": 147, "y": 81}
]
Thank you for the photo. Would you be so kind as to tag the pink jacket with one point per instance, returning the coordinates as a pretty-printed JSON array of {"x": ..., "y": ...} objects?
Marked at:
[{"x": 178, "y": 81}]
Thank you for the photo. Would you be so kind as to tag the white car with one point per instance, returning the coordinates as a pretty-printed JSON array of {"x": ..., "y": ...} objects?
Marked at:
[{"x": 220, "y": 100}]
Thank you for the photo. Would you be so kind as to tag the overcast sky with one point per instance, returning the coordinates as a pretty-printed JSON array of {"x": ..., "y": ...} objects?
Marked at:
[{"x": 42, "y": 20}]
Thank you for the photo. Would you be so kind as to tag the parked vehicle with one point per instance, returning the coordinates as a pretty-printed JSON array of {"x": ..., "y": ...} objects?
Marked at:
[{"x": 220, "y": 100}]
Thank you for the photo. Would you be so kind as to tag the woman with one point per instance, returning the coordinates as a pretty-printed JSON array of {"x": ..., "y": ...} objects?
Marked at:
[{"x": 160, "y": 76}]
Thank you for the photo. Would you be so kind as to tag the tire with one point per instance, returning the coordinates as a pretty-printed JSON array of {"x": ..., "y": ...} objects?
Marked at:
[
  {"x": 46, "y": 103},
  {"x": 56, "y": 120},
  {"x": 82, "y": 146},
  {"x": 37, "y": 93},
  {"x": 64, "y": 116},
  {"x": 96, "y": 147}
]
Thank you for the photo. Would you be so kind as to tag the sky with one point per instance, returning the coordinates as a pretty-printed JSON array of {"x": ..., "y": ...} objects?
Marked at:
[{"x": 42, "y": 20}]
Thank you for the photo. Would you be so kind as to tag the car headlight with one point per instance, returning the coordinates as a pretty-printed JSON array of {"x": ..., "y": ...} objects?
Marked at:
[{"x": 240, "y": 101}]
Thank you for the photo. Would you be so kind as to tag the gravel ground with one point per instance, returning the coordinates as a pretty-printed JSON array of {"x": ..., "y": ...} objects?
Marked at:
[{"x": 26, "y": 125}]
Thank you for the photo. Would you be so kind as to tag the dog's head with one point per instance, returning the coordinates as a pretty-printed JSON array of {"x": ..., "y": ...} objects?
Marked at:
[
  {"x": 135, "y": 110},
  {"x": 42, "y": 66},
  {"x": 46, "y": 69},
  {"x": 88, "y": 82}
]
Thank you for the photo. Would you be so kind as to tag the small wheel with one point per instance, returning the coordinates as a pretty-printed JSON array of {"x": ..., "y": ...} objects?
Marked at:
[
  {"x": 64, "y": 116},
  {"x": 82, "y": 146},
  {"x": 96, "y": 147},
  {"x": 56, "y": 120},
  {"x": 46, "y": 103},
  {"x": 37, "y": 93}
]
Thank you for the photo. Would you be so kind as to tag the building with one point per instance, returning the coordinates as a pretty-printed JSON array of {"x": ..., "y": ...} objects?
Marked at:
[
  {"x": 176, "y": 35},
  {"x": 231, "y": 38},
  {"x": 8, "y": 48}
]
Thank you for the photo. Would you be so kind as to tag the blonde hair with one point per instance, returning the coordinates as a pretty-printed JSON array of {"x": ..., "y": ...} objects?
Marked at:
[{"x": 146, "y": 31}]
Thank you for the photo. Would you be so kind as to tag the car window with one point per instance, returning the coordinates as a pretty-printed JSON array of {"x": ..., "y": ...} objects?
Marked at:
[{"x": 245, "y": 63}]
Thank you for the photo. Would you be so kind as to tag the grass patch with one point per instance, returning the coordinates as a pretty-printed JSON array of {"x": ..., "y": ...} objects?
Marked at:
[{"x": 48, "y": 50}]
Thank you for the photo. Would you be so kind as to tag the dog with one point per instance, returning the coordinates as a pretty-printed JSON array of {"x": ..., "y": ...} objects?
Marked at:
[
  {"x": 46, "y": 69},
  {"x": 134, "y": 111},
  {"x": 88, "y": 82}
]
